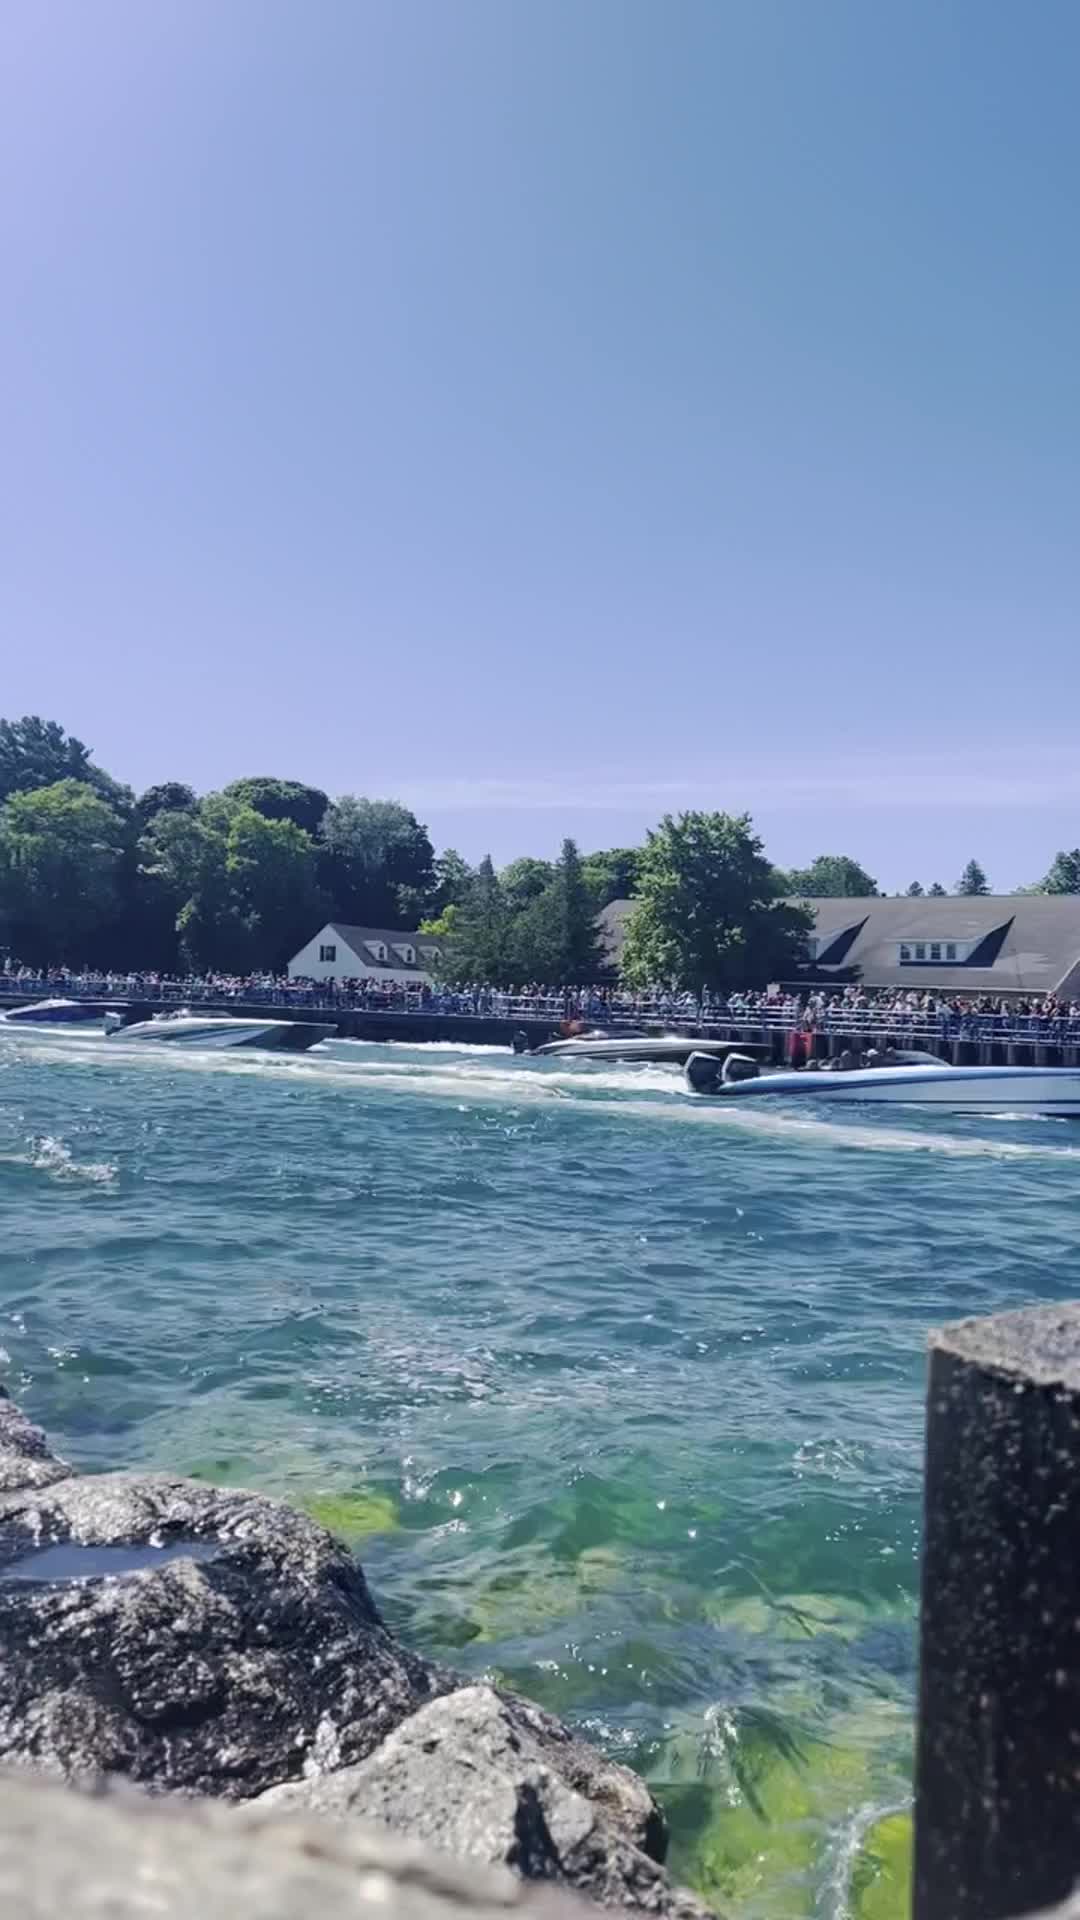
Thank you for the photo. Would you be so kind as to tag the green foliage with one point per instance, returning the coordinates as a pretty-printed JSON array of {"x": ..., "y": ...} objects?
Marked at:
[
  {"x": 973, "y": 879},
  {"x": 245, "y": 888},
  {"x": 1064, "y": 874},
  {"x": 708, "y": 912},
  {"x": 61, "y": 848},
  {"x": 38, "y": 753},
  {"x": 915, "y": 891},
  {"x": 613, "y": 875},
  {"x": 172, "y": 796},
  {"x": 936, "y": 891},
  {"x": 830, "y": 876},
  {"x": 524, "y": 881},
  {"x": 479, "y": 948},
  {"x": 281, "y": 800},
  {"x": 378, "y": 864},
  {"x": 452, "y": 877}
]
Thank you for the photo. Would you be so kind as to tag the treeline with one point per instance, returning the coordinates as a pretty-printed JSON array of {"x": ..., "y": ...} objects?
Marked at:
[{"x": 91, "y": 873}]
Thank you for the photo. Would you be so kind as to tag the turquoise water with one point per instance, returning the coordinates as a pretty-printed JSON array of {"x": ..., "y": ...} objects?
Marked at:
[{"x": 618, "y": 1394}]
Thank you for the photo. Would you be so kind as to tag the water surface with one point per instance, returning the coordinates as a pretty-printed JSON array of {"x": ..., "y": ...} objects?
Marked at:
[{"x": 617, "y": 1394}]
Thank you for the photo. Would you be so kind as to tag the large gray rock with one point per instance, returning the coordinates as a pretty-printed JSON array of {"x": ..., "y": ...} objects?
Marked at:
[
  {"x": 489, "y": 1777},
  {"x": 219, "y": 1676},
  {"x": 66, "y": 1855},
  {"x": 205, "y": 1640}
]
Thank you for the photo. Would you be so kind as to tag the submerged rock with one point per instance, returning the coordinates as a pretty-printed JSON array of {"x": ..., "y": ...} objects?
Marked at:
[
  {"x": 123, "y": 1854},
  {"x": 210, "y": 1641}
]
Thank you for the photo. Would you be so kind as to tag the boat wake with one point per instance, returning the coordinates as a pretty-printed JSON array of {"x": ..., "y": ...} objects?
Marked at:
[{"x": 488, "y": 1076}]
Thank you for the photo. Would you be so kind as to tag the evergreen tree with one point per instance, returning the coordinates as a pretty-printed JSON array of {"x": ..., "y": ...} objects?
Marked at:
[
  {"x": 1064, "y": 874},
  {"x": 973, "y": 880},
  {"x": 936, "y": 891},
  {"x": 915, "y": 891}
]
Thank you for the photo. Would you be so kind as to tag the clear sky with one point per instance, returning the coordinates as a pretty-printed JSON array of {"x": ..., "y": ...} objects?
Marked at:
[{"x": 554, "y": 413}]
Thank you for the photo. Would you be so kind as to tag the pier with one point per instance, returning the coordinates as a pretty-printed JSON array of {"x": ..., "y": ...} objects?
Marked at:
[{"x": 981, "y": 1040}]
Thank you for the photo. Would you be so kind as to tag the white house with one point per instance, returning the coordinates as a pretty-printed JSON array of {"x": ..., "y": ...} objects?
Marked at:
[{"x": 366, "y": 953}]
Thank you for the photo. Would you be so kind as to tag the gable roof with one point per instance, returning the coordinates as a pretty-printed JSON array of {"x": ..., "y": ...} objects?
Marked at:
[
  {"x": 1017, "y": 943},
  {"x": 356, "y": 938}
]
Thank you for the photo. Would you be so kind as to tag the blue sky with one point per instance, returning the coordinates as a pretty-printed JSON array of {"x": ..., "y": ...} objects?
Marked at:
[{"x": 555, "y": 413}]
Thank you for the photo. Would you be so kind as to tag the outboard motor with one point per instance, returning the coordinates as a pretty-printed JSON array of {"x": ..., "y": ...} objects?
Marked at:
[
  {"x": 113, "y": 1021},
  {"x": 520, "y": 1041},
  {"x": 703, "y": 1073},
  {"x": 738, "y": 1066}
]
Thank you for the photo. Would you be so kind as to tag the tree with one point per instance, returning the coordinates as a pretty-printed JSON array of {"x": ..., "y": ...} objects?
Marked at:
[
  {"x": 479, "y": 944},
  {"x": 612, "y": 875},
  {"x": 575, "y": 921},
  {"x": 552, "y": 936},
  {"x": 271, "y": 871},
  {"x": 709, "y": 913},
  {"x": 60, "y": 852},
  {"x": 916, "y": 890},
  {"x": 831, "y": 876},
  {"x": 524, "y": 880},
  {"x": 378, "y": 866},
  {"x": 244, "y": 888},
  {"x": 973, "y": 879},
  {"x": 172, "y": 796},
  {"x": 936, "y": 891},
  {"x": 281, "y": 800},
  {"x": 453, "y": 877},
  {"x": 38, "y": 753},
  {"x": 1064, "y": 874}
]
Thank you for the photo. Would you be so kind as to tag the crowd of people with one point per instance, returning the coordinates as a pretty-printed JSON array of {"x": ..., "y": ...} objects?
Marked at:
[{"x": 850, "y": 1009}]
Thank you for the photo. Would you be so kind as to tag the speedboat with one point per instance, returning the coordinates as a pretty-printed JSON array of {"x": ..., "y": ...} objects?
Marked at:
[
  {"x": 183, "y": 1028},
  {"x": 56, "y": 1012},
  {"x": 672, "y": 1048},
  {"x": 1035, "y": 1090}
]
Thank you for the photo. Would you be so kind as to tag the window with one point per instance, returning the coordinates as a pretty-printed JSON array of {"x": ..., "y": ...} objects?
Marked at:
[
  {"x": 328, "y": 953},
  {"x": 930, "y": 953}
]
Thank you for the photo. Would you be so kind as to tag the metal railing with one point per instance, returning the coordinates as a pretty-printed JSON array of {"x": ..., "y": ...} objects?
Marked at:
[{"x": 914, "y": 1025}]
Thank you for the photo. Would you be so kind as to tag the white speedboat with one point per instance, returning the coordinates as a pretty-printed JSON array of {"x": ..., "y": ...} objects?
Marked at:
[
  {"x": 213, "y": 1032},
  {"x": 56, "y": 1012},
  {"x": 1035, "y": 1090},
  {"x": 673, "y": 1048}
]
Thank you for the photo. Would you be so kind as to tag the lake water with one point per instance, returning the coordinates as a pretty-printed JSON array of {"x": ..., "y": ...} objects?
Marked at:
[{"x": 618, "y": 1395}]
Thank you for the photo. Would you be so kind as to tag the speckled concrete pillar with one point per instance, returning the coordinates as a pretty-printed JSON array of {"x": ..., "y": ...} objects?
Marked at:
[{"x": 997, "y": 1825}]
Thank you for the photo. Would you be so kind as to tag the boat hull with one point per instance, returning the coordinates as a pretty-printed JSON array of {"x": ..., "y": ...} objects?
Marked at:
[
  {"x": 671, "y": 1049},
  {"x": 216, "y": 1036},
  {"x": 1053, "y": 1091},
  {"x": 66, "y": 1013}
]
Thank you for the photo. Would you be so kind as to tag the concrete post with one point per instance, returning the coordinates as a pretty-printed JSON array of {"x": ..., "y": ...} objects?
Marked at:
[{"x": 997, "y": 1812}]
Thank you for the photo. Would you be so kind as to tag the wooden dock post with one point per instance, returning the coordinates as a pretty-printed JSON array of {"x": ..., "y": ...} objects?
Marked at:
[{"x": 997, "y": 1811}]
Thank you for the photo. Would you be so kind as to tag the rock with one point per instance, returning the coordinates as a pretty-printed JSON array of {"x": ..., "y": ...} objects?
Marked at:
[
  {"x": 25, "y": 1460},
  {"x": 128, "y": 1857},
  {"x": 488, "y": 1777},
  {"x": 219, "y": 1676},
  {"x": 201, "y": 1640}
]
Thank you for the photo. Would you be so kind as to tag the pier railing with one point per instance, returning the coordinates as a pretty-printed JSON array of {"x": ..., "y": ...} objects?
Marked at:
[{"x": 907, "y": 1025}]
